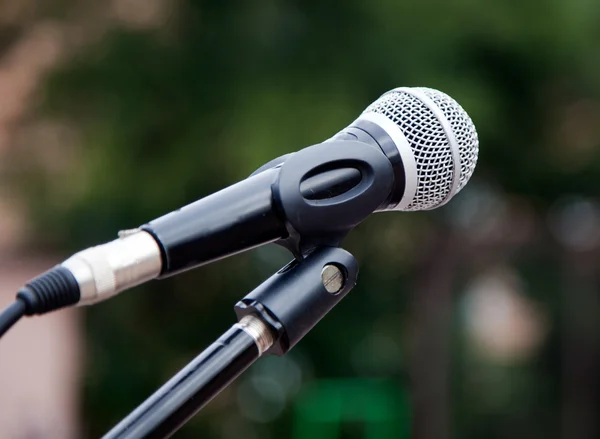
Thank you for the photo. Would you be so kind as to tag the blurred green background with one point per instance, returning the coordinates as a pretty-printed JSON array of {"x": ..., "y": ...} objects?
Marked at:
[{"x": 475, "y": 320}]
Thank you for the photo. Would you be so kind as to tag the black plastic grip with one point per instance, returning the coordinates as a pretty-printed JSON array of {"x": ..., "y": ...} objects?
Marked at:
[
  {"x": 237, "y": 218},
  {"x": 50, "y": 291}
]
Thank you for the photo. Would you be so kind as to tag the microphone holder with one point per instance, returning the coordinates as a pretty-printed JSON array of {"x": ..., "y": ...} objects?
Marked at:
[{"x": 271, "y": 319}]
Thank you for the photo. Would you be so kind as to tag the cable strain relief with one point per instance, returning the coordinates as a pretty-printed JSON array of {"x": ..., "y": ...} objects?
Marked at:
[{"x": 54, "y": 289}]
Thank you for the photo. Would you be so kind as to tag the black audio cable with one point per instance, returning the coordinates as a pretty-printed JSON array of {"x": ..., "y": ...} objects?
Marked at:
[{"x": 52, "y": 290}]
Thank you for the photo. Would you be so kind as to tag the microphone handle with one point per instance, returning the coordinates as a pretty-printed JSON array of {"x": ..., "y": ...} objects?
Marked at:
[{"x": 237, "y": 218}]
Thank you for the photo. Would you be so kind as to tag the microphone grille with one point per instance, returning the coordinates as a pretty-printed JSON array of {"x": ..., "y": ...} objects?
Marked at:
[
  {"x": 442, "y": 138},
  {"x": 463, "y": 129}
]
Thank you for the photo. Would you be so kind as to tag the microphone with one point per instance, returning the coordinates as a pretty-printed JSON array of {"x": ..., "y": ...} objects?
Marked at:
[{"x": 412, "y": 149}]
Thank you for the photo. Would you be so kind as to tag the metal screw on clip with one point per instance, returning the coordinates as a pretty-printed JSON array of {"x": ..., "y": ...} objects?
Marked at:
[{"x": 332, "y": 278}]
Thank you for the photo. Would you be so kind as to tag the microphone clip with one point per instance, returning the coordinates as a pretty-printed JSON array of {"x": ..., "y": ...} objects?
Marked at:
[{"x": 325, "y": 190}]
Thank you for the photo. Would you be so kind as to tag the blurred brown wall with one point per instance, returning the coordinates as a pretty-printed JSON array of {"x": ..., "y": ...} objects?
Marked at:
[
  {"x": 39, "y": 364},
  {"x": 40, "y": 356}
]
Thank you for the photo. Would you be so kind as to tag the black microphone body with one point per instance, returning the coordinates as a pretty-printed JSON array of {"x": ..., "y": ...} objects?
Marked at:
[
  {"x": 309, "y": 198},
  {"x": 237, "y": 218}
]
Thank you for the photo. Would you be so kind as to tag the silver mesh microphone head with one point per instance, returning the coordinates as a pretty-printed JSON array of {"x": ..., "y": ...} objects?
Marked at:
[{"x": 436, "y": 140}]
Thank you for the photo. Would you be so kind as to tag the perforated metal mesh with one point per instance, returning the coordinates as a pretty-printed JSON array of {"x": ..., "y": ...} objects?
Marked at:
[
  {"x": 429, "y": 142},
  {"x": 463, "y": 129}
]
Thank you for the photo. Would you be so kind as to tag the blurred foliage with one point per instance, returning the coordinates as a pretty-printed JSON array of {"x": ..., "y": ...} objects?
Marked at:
[{"x": 167, "y": 114}]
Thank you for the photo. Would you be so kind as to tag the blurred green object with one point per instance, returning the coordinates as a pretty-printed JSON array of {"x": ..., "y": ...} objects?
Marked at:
[{"x": 379, "y": 407}]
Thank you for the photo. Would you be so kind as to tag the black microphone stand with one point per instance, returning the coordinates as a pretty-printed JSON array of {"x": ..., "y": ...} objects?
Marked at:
[{"x": 272, "y": 319}]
